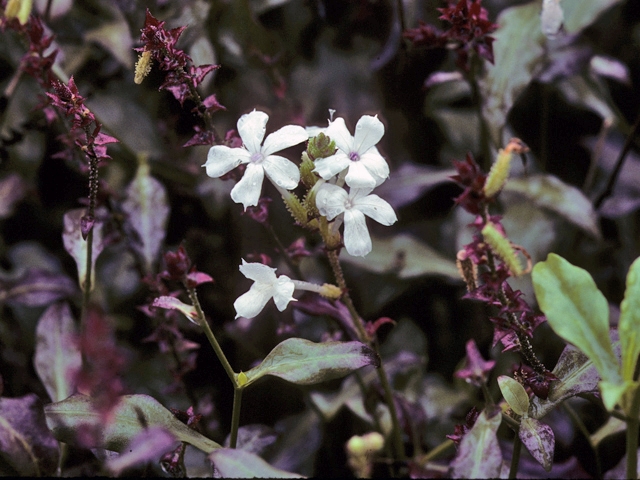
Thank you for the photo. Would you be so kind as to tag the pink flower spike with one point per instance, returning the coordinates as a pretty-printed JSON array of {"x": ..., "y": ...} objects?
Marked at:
[{"x": 476, "y": 369}]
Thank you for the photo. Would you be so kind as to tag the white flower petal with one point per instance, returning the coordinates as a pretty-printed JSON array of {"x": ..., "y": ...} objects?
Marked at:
[
  {"x": 376, "y": 164},
  {"x": 283, "y": 292},
  {"x": 359, "y": 177},
  {"x": 356, "y": 236},
  {"x": 258, "y": 272},
  {"x": 222, "y": 159},
  {"x": 378, "y": 209},
  {"x": 252, "y": 127},
  {"x": 339, "y": 133},
  {"x": 247, "y": 190},
  {"x": 250, "y": 304},
  {"x": 331, "y": 200},
  {"x": 333, "y": 165},
  {"x": 314, "y": 131},
  {"x": 286, "y": 137},
  {"x": 281, "y": 171},
  {"x": 369, "y": 131}
]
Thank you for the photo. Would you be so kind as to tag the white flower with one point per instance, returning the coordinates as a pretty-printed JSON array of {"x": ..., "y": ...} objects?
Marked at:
[
  {"x": 259, "y": 158},
  {"x": 266, "y": 285},
  {"x": 367, "y": 168},
  {"x": 332, "y": 200}
]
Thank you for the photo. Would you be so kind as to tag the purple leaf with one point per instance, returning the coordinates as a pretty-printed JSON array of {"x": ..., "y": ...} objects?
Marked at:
[
  {"x": 26, "y": 445},
  {"x": 147, "y": 213},
  {"x": 232, "y": 463},
  {"x": 172, "y": 303},
  {"x": 303, "y": 362},
  {"x": 57, "y": 356},
  {"x": 12, "y": 190},
  {"x": 38, "y": 288},
  {"x": 538, "y": 438},
  {"x": 479, "y": 455},
  {"x": 148, "y": 446},
  {"x": 74, "y": 243}
]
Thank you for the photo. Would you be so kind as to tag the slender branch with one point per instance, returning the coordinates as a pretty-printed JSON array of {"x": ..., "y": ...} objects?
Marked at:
[
  {"x": 619, "y": 163},
  {"x": 211, "y": 337},
  {"x": 515, "y": 458},
  {"x": 633, "y": 427},
  {"x": 235, "y": 416}
]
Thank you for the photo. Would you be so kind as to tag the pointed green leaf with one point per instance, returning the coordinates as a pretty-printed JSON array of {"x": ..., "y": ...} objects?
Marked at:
[
  {"x": 514, "y": 394},
  {"x": 629, "y": 324},
  {"x": 577, "y": 311},
  {"x": 303, "y": 362},
  {"x": 618, "y": 393},
  {"x": 479, "y": 455},
  {"x": 57, "y": 355},
  {"x": 132, "y": 415},
  {"x": 232, "y": 463},
  {"x": 147, "y": 212},
  {"x": 538, "y": 438}
]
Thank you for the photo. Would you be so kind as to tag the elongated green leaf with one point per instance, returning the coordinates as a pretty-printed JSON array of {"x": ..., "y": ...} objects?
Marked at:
[
  {"x": 132, "y": 415},
  {"x": 303, "y": 362},
  {"x": 57, "y": 354},
  {"x": 514, "y": 394},
  {"x": 479, "y": 455},
  {"x": 538, "y": 438},
  {"x": 629, "y": 324},
  {"x": 232, "y": 463},
  {"x": 148, "y": 211},
  {"x": 551, "y": 193},
  {"x": 577, "y": 311}
]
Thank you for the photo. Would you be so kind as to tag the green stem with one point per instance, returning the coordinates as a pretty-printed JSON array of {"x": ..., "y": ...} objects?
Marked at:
[
  {"x": 441, "y": 449},
  {"x": 211, "y": 337},
  {"x": 515, "y": 459},
  {"x": 235, "y": 416},
  {"x": 382, "y": 375},
  {"x": 633, "y": 426}
]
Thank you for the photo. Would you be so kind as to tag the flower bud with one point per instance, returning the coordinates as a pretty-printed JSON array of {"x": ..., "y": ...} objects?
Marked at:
[
  {"x": 502, "y": 248},
  {"x": 20, "y": 9},
  {"x": 242, "y": 379},
  {"x": 307, "y": 176},
  {"x": 321, "y": 146},
  {"x": 467, "y": 269}
]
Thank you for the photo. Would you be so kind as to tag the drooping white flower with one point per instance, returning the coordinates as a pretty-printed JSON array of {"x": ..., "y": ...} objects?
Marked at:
[
  {"x": 266, "y": 285},
  {"x": 358, "y": 153},
  {"x": 259, "y": 158},
  {"x": 332, "y": 201}
]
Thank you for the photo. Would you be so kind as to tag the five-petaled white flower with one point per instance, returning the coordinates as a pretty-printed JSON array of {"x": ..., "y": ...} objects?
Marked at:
[
  {"x": 266, "y": 285},
  {"x": 259, "y": 158},
  {"x": 367, "y": 168},
  {"x": 332, "y": 200}
]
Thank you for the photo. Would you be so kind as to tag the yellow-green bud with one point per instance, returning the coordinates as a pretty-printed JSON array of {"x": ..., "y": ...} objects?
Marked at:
[
  {"x": 143, "y": 66},
  {"x": 307, "y": 176},
  {"x": 498, "y": 174},
  {"x": 321, "y": 146},
  {"x": 374, "y": 441},
  {"x": 502, "y": 248},
  {"x": 330, "y": 291},
  {"x": 20, "y": 9},
  {"x": 356, "y": 446},
  {"x": 242, "y": 379}
]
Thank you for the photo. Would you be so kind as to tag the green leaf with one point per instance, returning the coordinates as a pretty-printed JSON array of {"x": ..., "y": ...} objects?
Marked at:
[
  {"x": 514, "y": 394},
  {"x": 629, "y": 324},
  {"x": 147, "y": 212},
  {"x": 538, "y": 438},
  {"x": 553, "y": 194},
  {"x": 618, "y": 393},
  {"x": 405, "y": 256},
  {"x": 303, "y": 362},
  {"x": 233, "y": 463},
  {"x": 132, "y": 415},
  {"x": 579, "y": 14},
  {"x": 114, "y": 35},
  {"x": 479, "y": 455},
  {"x": 57, "y": 354},
  {"x": 577, "y": 311}
]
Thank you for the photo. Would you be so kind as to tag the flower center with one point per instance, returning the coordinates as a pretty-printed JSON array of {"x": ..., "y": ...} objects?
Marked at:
[
  {"x": 348, "y": 204},
  {"x": 257, "y": 157},
  {"x": 354, "y": 156}
]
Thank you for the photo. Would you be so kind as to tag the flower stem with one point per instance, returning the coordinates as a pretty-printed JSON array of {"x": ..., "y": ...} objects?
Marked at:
[
  {"x": 364, "y": 337},
  {"x": 235, "y": 416},
  {"x": 211, "y": 337},
  {"x": 515, "y": 458},
  {"x": 633, "y": 426}
]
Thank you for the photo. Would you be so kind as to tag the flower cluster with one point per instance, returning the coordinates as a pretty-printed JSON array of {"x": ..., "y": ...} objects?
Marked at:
[
  {"x": 469, "y": 30},
  {"x": 333, "y": 157},
  {"x": 182, "y": 79},
  {"x": 491, "y": 254}
]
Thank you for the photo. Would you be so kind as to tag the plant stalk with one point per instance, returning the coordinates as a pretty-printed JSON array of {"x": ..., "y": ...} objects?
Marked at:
[
  {"x": 515, "y": 458},
  {"x": 235, "y": 416},
  {"x": 633, "y": 427}
]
